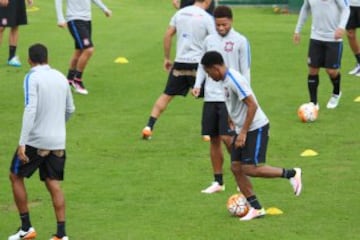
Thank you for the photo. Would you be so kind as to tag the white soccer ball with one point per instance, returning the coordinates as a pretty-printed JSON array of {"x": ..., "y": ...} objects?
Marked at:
[
  {"x": 237, "y": 205},
  {"x": 308, "y": 112}
]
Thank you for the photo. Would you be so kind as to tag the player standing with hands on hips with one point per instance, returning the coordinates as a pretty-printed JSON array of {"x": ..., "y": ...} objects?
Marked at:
[
  {"x": 48, "y": 105},
  {"x": 248, "y": 153},
  {"x": 329, "y": 19},
  {"x": 78, "y": 21}
]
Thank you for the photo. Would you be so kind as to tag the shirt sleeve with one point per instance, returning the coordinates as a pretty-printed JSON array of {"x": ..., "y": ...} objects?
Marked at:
[
  {"x": 100, "y": 4},
  {"x": 303, "y": 15},
  {"x": 344, "y": 13},
  {"x": 70, "y": 107},
  {"x": 59, "y": 11},
  {"x": 245, "y": 59}
]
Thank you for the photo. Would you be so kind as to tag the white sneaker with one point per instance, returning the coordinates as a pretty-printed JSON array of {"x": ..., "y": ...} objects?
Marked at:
[
  {"x": 14, "y": 62},
  {"x": 253, "y": 213},
  {"x": 213, "y": 188},
  {"x": 356, "y": 70},
  {"x": 333, "y": 101},
  {"x": 23, "y": 235},
  {"x": 296, "y": 182}
]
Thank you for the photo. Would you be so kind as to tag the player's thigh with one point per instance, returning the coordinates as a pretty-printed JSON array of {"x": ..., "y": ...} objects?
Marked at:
[
  {"x": 210, "y": 119},
  {"x": 333, "y": 55},
  {"x": 316, "y": 54}
]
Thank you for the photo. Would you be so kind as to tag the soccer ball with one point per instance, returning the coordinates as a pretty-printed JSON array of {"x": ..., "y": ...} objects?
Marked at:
[
  {"x": 237, "y": 205},
  {"x": 307, "y": 112}
]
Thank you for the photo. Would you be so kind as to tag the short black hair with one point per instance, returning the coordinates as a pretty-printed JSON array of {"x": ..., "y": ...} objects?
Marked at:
[
  {"x": 38, "y": 53},
  {"x": 212, "y": 58},
  {"x": 223, "y": 12}
]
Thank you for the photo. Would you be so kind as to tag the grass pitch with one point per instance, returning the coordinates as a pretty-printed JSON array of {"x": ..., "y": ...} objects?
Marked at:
[{"x": 118, "y": 186}]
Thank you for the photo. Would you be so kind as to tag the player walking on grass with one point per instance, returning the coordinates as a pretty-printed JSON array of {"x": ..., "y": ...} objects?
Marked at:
[
  {"x": 248, "y": 153},
  {"x": 329, "y": 19},
  {"x": 235, "y": 50},
  {"x": 78, "y": 21},
  {"x": 352, "y": 25},
  {"x": 48, "y": 104},
  {"x": 191, "y": 25},
  {"x": 12, "y": 15}
]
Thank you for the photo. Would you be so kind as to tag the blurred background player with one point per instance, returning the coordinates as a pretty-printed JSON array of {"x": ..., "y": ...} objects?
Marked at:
[
  {"x": 352, "y": 25},
  {"x": 329, "y": 19},
  {"x": 248, "y": 153},
  {"x": 235, "y": 50},
  {"x": 12, "y": 15},
  {"x": 184, "y": 3},
  {"x": 190, "y": 25},
  {"x": 78, "y": 21}
]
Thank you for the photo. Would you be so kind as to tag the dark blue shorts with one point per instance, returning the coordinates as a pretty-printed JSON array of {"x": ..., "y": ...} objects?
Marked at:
[
  {"x": 181, "y": 79},
  {"x": 325, "y": 54},
  {"x": 81, "y": 32},
  {"x": 215, "y": 119}
]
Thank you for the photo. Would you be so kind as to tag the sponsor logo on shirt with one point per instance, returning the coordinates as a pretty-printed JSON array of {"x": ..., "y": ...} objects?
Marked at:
[{"x": 229, "y": 46}]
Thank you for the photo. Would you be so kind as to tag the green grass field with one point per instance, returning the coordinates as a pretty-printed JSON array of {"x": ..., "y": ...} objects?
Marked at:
[{"x": 118, "y": 186}]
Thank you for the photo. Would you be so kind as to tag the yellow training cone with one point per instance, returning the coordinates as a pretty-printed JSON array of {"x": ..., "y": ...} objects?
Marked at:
[
  {"x": 357, "y": 99},
  {"x": 308, "y": 153},
  {"x": 273, "y": 211},
  {"x": 121, "y": 60},
  {"x": 32, "y": 9}
]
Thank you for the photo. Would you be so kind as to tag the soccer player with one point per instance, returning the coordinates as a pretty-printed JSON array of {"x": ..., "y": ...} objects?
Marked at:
[
  {"x": 248, "y": 153},
  {"x": 191, "y": 25},
  {"x": 235, "y": 49},
  {"x": 78, "y": 21},
  {"x": 353, "y": 23},
  {"x": 48, "y": 105},
  {"x": 12, "y": 15},
  {"x": 329, "y": 19}
]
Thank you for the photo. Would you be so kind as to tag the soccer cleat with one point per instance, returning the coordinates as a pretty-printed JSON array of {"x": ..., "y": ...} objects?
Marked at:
[
  {"x": 14, "y": 62},
  {"x": 253, "y": 213},
  {"x": 296, "y": 182},
  {"x": 79, "y": 87},
  {"x": 57, "y": 238},
  {"x": 356, "y": 70},
  {"x": 24, "y": 235},
  {"x": 333, "y": 101},
  {"x": 213, "y": 188},
  {"x": 146, "y": 133}
]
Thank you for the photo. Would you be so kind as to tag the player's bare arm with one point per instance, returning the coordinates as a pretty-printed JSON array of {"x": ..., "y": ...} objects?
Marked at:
[
  {"x": 4, "y": 3},
  {"x": 170, "y": 32}
]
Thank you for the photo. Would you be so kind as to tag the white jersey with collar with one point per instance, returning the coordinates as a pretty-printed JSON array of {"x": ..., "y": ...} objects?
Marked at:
[
  {"x": 236, "y": 88},
  {"x": 192, "y": 25},
  {"x": 235, "y": 50},
  {"x": 327, "y": 16},
  {"x": 77, "y": 9},
  {"x": 48, "y": 103}
]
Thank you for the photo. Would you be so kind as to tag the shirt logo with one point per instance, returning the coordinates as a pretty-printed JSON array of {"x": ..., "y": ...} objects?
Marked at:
[
  {"x": 229, "y": 46},
  {"x": 86, "y": 42}
]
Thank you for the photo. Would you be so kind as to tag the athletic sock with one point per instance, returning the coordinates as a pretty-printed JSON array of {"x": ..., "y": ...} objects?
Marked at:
[
  {"x": 60, "y": 229},
  {"x": 336, "y": 83},
  {"x": 151, "y": 122},
  {"x": 219, "y": 178},
  {"x": 71, "y": 74},
  {"x": 25, "y": 221},
  {"x": 357, "y": 56},
  {"x": 252, "y": 200},
  {"x": 288, "y": 173},
  {"x": 78, "y": 75},
  {"x": 12, "y": 52},
  {"x": 313, "y": 83}
]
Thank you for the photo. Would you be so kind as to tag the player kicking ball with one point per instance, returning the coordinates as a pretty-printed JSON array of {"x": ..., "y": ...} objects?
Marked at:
[{"x": 248, "y": 153}]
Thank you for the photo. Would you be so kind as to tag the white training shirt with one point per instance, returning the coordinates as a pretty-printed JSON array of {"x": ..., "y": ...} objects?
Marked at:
[
  {"x": 236, "y": 88},
  {"x": 327, "y": 16},
  {"x": 48, "y": 104},
  {"x": 355, "y": 3},
  {"x": 192, "y": 25},
  {"x": 77, "y": 9},
  {"x": 235, "y": 50}
]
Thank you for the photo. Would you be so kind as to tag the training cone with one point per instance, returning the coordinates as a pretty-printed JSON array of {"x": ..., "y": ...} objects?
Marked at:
[
  {"x": 32, "y": 9},
  {"x": 274, "y": 211},
  {"x": 121, "y": 60},
  {"x": 357, "y": 99},
  {"x": 308, "y": 153}
]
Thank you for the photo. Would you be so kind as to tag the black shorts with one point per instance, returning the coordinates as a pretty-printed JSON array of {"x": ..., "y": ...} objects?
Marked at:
[
  {"x": 254, "y": 151},
  {"x": 325, "y": 54},
  {"x": 354, "y": 19},
  {"x": 81, "y": 32},
  {"x": 215, "y": 119},
  {"x": 50, "y": 166},
  {"x": 14, "y": 14},
  {"x": 181, "y": 79}
]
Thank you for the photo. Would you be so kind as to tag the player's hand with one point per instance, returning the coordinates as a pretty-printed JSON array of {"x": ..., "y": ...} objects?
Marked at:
[
  {"x": 167, "y": 65},
  {"x": 296, "y": 38},
  {"x": 108, "y": 13},
  {"x": 195, "y": 92},
  {"x": 21, "y": 154},
  {"x": 240, "y": 140},
  {"x": 339, "y": 33},
  {"x": 176, "y": 4},
  {"x": 62, "y": 24},
  {"x": 4, "y": 3}
]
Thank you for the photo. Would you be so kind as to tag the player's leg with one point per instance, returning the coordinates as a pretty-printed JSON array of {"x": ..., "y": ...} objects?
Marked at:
[
  {"x": 352, "y": 24},
  {"x": 332, "y": 65},
  {"x": 2, "y": 29},
  {"x": 316, "y": 59}
]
